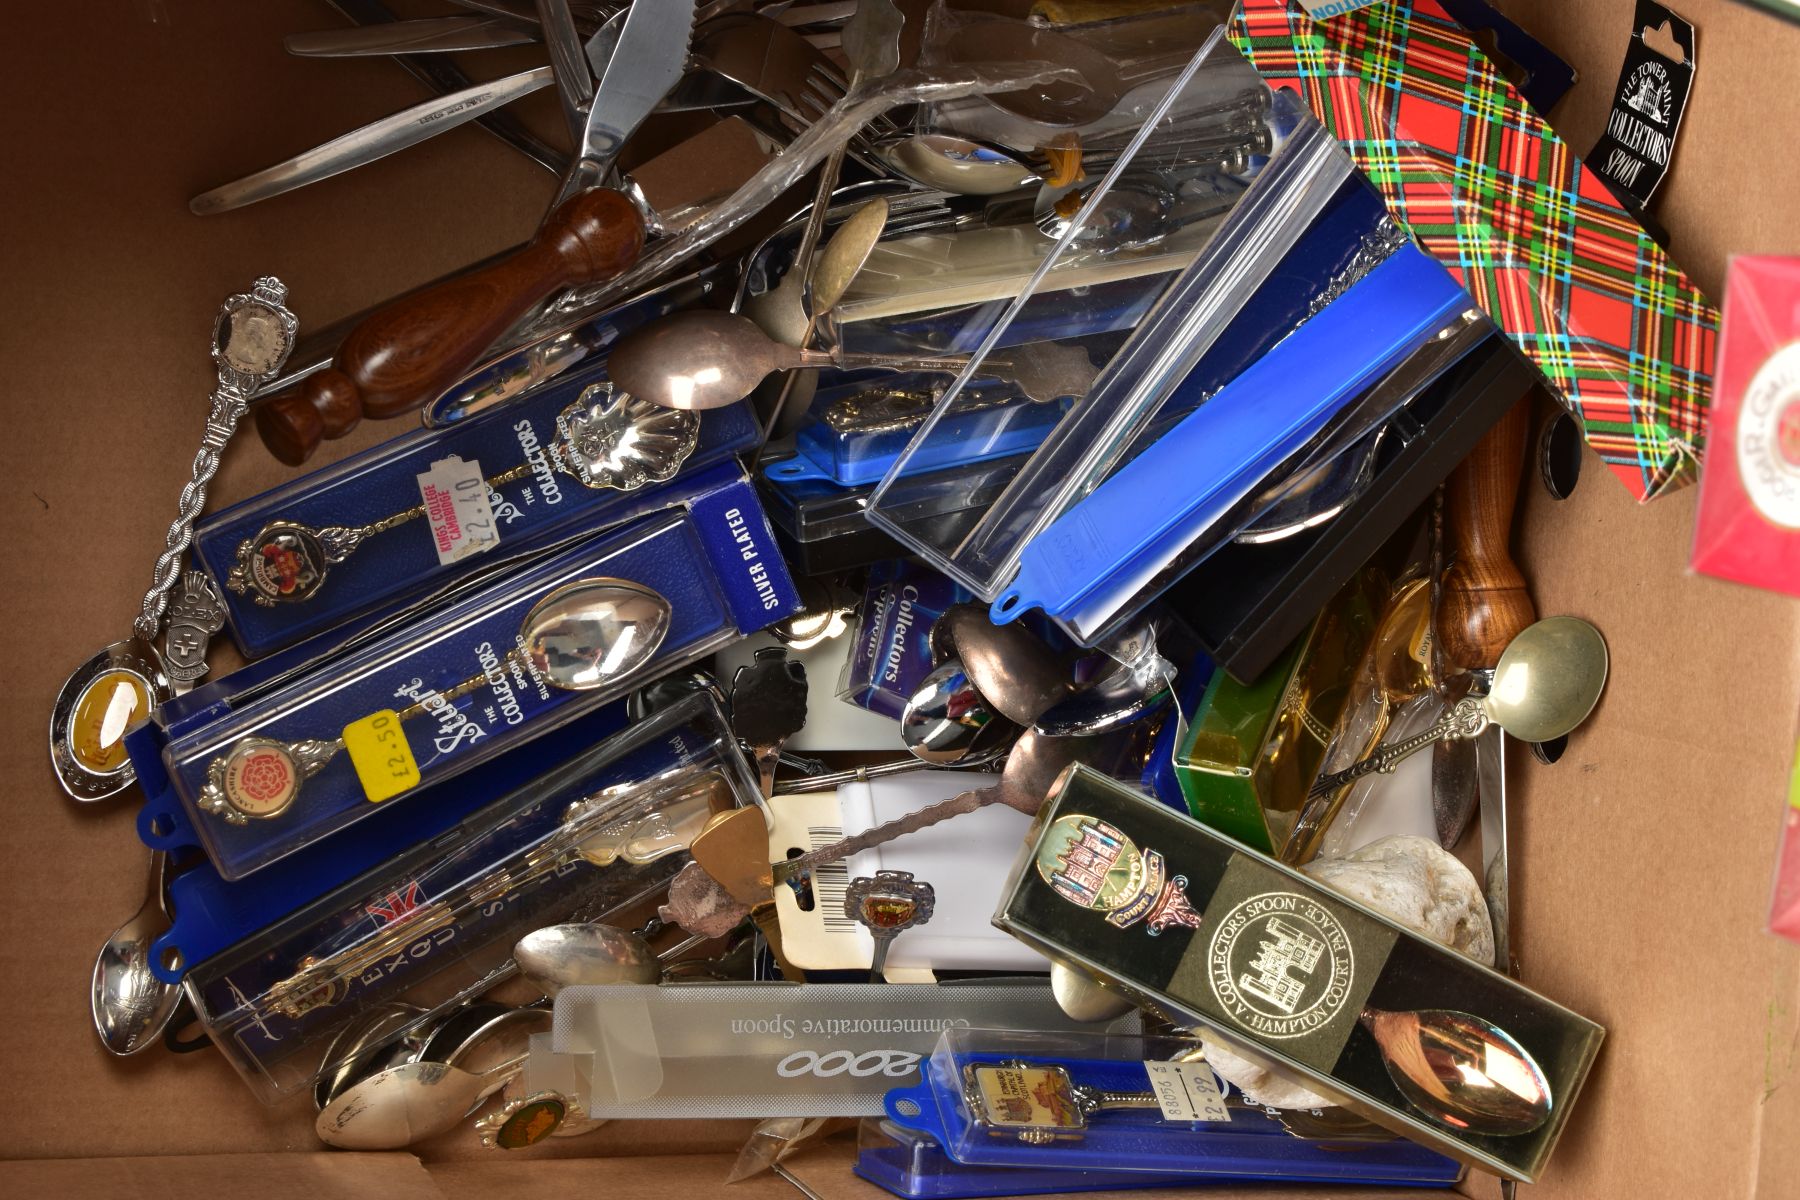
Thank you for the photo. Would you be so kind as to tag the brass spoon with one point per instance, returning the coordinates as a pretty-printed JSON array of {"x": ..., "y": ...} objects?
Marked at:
[
  {"x": 1547, "y": 682},
  {"x": 787, "y": 311},
  {"x": 1461, "y": 1070},
  {"x": 585, "y": 635}
]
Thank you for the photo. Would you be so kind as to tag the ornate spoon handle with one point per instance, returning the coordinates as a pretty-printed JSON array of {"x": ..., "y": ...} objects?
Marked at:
[
  {"x": 251, "y": 340},
  {"x": 1466, "y": 720}
]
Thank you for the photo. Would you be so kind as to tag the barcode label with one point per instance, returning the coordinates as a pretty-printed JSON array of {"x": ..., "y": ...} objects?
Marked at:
[{"x": 830, "y": 881}]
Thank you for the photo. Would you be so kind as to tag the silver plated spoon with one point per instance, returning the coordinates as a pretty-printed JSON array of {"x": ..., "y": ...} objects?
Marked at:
[
  {"x": 585, "y": 635},
  {"x": 131, "y": 1005},
  {"x": 576, "y": 955},
  {"x": 701, "y": 359},
  {"x": 403, "y": 1105}
]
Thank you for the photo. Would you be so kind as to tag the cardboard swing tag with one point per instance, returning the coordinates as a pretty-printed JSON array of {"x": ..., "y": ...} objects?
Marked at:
[
  {"x": 458, "y": 509},
  {"x": 1633, "y": 154}
]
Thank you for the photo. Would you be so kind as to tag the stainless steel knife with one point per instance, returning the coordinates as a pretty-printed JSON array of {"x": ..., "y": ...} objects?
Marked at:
[
  {"x": 373, "y": 141},
  {"x": 644, "y": 67},
  {"x": 442, "y": 77},
  {"x": 1490, "y": 773},
  {"x": 568, "y": 60}
]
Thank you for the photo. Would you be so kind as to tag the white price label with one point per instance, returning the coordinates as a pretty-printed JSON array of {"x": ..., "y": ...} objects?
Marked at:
[
  {"x": 1187, "y": 1091},
  {"x": 458, "y": 510},
  {"x": 1318, "y": 10}
]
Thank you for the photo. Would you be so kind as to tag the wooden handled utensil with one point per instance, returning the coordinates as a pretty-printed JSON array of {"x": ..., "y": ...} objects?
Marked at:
[
  {"x": 403, "y": 355},
  {"x": 1483, "y": 604}
]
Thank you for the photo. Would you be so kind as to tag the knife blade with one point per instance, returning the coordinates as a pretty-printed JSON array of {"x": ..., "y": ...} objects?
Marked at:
[
  {"x": 371, "y": 142},
  {"x": 645, "y": 66},
  {"x": 443, "y": 77},
  {"x": 1490, "y": 760},
  {"x": 430, "y": 35},
  {"x": 568, "y": 61}
]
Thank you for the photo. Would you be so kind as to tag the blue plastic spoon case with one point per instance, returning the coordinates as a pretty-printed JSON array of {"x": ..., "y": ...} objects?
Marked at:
[
  {"x": 1249, "y": 1145},
  {"x": 400, "y": 567},
  {"x": 1092, "y": 567},
  {"x": 713, "y": 559},
  {"x": 1269, "y": 265},
  {"x": 597, "y": 834}
]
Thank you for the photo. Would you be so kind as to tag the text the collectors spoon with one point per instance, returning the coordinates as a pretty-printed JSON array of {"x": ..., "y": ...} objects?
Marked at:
[
  {"x": 119, "y": 686},
  {"x": 585, "y": 635},
  {"x": 605, "y": 439}
]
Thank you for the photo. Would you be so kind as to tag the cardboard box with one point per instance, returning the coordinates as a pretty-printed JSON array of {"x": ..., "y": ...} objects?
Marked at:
[{"x": 120, "y": 112}]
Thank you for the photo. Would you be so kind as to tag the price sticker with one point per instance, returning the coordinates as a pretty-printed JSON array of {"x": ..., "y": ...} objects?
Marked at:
[
  {"x": 458, "y": 509},
  {"x": 1187, "y": 1091},
  {"x": 379, "y": 751}
]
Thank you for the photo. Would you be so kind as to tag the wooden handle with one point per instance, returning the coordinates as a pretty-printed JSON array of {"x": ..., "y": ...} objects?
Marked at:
[
  {"x": 1484, "y": 603},
  {"x": 402, "y": 356}
]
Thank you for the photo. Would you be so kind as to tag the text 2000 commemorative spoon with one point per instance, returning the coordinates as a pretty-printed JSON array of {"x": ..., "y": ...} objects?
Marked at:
[{"x": 118, "y": 687}]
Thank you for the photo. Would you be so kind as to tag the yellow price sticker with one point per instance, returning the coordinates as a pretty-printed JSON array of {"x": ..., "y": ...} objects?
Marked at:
[{"x": 380, "y": 753}]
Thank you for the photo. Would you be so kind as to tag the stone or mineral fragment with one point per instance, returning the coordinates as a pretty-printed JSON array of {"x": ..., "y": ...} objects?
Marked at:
[{"x": 1417, "y": 883}]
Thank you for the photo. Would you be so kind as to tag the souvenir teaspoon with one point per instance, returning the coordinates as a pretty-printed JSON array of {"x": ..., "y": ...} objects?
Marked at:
[
  {"x": 582, "y": 636},
  {"x": 605, "y": 439},
  {"x": 1461, "y": 1070},
  {"x": 1546, "y": 683},
  {"x": 118, "y": 687}
]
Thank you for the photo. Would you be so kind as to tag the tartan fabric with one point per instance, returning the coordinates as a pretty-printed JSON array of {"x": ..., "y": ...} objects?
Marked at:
[{"x": 1538, "y": 240}]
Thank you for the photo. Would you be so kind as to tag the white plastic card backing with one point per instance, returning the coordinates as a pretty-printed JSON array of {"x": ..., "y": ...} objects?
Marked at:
[{"x": 963, "y": 860}]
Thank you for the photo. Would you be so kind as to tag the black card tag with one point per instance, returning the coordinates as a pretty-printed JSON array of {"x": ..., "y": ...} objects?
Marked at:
[{"x": 1633, "y": 154}]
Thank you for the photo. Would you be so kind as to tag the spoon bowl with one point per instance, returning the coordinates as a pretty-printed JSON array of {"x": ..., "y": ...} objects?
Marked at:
[
  {"x": 589, "y": 633},
  {"x": 561, "y": 956},
  {"x": 695, "y": 360},
  {"x": 1018, "y": 675},
  {"x": 403, "y": 1105},
  {"x": 1082, "y": 999},
  {"x": 1548, "y": 679},
  {"x": 946, "y": 722},
  {"x": 131, "y": 1005},
  {"x": 1462, "y": 1071}
]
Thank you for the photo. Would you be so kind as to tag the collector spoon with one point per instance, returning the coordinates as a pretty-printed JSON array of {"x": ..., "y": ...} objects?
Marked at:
[
  {"x": 605, "y": 439},
  {"x": 585, "y": 635},
  {"x": 579, "y": 954},
  {"x": 946, "y": 724},
  {"x": 131, "y": 1005},
  {"x": 1032, "y": 767},
  {"x": 1546, "y": 683},
  {"x": 704, "y": 359},
  {"x": 1011, "y": 666},
  {"x": 409, "y": 1103},
  {"x": 117, "y": 687}
]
